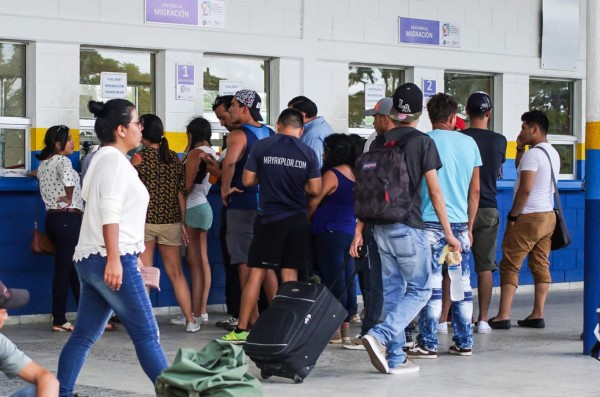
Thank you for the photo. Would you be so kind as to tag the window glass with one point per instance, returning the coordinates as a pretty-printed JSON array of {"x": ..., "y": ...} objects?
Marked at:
[
  {"x": 138, "y": 65},
  {"x": 555, "y": 98},
  {"x": 566, "y": 152},
  {"x": 249, "y": 73},
  {"x": 12, "y": 148},
  {"x": 358, "y": 76},
  {"x": 462, "y": 85},
  {"x": 12, "y": 80}
]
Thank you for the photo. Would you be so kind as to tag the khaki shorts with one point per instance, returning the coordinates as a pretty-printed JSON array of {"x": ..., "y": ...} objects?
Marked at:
[{"x": 165, "y": 234}]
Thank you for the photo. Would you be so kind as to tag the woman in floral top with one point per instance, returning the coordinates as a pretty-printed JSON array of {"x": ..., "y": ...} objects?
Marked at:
[
  {"x": 61, "y": 192},
  {"x": 161, "y": 171}
]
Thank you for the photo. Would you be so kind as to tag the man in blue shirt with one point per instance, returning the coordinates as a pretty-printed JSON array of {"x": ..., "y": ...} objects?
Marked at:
[
  {"x": 459, "y": 179},
  {"x": 316, "y": 129},
  {"x": 287, "y": 170}
]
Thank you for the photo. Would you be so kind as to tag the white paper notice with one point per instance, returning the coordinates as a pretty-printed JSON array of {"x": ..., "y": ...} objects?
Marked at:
[
  {"x": 212, "y": 14},
  {"x": 114, "y": 85},
  {"x": 229, "y": 87},
  {"x": 450, "y": 34},
  {"x": 373, "y": 93}
]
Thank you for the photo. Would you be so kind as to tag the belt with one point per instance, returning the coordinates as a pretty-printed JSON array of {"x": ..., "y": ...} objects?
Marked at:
[{"x": 72, "y": 210}]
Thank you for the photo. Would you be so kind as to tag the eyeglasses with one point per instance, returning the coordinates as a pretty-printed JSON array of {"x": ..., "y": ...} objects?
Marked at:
[{"x": 139, "y": 123}]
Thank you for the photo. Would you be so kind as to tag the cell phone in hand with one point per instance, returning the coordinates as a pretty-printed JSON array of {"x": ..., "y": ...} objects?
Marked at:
[{"x": 361, "y": 252}]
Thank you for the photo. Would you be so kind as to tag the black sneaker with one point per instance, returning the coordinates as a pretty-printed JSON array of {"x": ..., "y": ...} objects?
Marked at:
[
  {"x": 419, "y": 351},
  {"x": 460, "y": 352}
]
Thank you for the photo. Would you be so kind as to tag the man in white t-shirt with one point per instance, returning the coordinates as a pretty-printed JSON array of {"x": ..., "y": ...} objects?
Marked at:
[{"x": 531, "y": 221}]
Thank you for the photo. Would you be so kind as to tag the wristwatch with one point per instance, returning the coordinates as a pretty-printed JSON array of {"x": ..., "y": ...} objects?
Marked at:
[{"x": 511, "y": 218}]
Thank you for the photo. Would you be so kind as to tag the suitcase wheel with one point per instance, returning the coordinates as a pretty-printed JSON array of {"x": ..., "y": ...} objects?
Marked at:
[
  {"x": 265, "y": 374},
  {"x": 298, "y": 379}
]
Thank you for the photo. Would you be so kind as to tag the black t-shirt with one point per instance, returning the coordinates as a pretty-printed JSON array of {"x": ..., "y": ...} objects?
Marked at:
[
  {"x": 421, "y": 156},
  {"x": 283, "y": 164},
  {"x": 492, "y": 147}
]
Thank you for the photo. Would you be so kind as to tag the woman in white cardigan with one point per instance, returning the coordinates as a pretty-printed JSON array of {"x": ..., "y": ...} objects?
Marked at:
[{"x": 111, "y": 238}]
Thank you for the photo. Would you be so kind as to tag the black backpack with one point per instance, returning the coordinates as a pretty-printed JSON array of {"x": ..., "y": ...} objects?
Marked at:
[{"x": 381, "y": 192}]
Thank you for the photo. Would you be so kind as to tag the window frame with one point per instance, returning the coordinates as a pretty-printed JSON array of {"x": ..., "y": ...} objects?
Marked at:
[
  {"x": 572, "y": 88},
  {"x": 565, "y": 140},
  {"x": 365, "y": 132},
  {"x": 491, "y": 92}
]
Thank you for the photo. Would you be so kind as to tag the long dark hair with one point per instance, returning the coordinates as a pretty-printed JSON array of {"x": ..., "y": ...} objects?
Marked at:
[
  {"x": 339, "y": 150},
  {"x": 109, "y": 116},
  {"x": 154, "y": 132},
  {"x": 55, "y": 134},
  {"x": 199, "y": 129}
]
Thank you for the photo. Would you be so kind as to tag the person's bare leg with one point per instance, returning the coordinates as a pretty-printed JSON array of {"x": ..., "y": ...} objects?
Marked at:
[
  {"x": 244, "y": 273},
  {"x": 485, "y": 283},
  {"x": 250, "y": 293},
  {"x": 172, "y": 261},
  {"x": 270, "y": 285},
  {"x": 206, "y": 277},
  {"x": 507, "y": 294},
  {"x": 193, "y": 260},
  {"x": 289, "y": 275},
  {"x": 541, "y": 293}
]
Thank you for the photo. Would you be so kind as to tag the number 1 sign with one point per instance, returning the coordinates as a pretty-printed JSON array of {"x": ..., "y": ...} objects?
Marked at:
[{"x": 186, "y": 88}]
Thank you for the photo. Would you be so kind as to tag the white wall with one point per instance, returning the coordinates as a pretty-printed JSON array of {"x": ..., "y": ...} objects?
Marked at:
[{"x": 313, "y": 41}]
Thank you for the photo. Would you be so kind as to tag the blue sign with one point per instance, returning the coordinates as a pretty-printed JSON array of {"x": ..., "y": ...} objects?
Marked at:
[
  {"x": 419, "y": 31},
  {"x": 429, "y": 88}
]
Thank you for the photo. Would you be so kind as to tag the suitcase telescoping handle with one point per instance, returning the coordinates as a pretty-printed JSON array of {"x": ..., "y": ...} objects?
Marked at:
[{"x": 349, "y": 280}]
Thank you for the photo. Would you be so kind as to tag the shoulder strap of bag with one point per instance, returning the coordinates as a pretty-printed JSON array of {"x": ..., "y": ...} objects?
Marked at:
[{"x": 556, "y": 194}]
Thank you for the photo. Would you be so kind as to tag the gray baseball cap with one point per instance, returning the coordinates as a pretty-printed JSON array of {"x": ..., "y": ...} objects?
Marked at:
[{"x": 384, "y": 106}]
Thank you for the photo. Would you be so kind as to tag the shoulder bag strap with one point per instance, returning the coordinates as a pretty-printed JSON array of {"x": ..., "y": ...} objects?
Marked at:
[{"x": 556, "y": 194}]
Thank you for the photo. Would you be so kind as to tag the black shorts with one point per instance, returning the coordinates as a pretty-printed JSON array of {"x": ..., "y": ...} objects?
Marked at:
[{"x": 284, "y": 243}]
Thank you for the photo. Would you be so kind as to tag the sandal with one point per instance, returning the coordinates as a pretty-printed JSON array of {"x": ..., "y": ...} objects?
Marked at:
[
  {"x": 110, "y": 326},
  {"x": 66, "y": 327}
]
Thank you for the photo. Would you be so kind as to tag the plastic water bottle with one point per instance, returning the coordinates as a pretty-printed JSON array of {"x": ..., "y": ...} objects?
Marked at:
[{"x": 456, "y": 288}]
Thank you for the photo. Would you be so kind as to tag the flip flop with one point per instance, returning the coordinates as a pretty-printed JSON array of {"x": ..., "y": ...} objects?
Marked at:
[
  {"x": 66, "y": 327},
  {"x": 110, "y": 326}
]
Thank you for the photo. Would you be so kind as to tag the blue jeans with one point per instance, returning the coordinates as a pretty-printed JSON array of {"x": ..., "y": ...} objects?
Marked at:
[
  {"x": 373, "y": 284},
  {"x": 462, "y": 311},
  {"x": 29, "y": 391},
  {"x": 131, "y": 304},
  {"x": 406, "y": 270},
  {"x": 332, "y": 254}
]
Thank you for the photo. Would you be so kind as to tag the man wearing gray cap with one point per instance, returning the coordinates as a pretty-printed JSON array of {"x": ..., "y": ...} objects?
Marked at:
[
  {"x": 403, "y": 247},
  {"x": 13, "y": 362}
]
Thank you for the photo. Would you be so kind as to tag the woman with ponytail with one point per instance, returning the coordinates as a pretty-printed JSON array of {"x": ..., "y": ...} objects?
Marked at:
[
  {"x": 199, "y": 214},
  {"x": 61, "y": 192},
  {"x": 111, "y": 239},
  {"x": 162, "y": 173}
]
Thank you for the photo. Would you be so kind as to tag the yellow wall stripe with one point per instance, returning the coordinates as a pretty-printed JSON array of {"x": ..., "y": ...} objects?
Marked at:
[
  {"x": 177, "y": 141},
  {"x": 511, "y": 150},
  {"x": 38, "y": 134},
  {"x": 592, "y": 135}
]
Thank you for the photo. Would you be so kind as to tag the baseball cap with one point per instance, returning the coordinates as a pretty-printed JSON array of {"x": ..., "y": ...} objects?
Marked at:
[
  {"x": 479, "y": 102},
  {"x": 11, "y": 298},
  {"x": 460, "y": 124},
  {"x": 408, "y": 102},
  {"x": 252, "y": 101},
  {"x": 383, "y": 106}
]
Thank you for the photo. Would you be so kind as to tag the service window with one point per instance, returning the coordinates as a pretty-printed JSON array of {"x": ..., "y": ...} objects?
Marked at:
[
  {"x": 461, "y": 85},
  {"x": 137, "y": 65},
  {"x": 555, "y": 98},
  {"x": 14, "y": 127},
  {"x": 366, "y": 85},
  {"x": 225, "y": 74}
]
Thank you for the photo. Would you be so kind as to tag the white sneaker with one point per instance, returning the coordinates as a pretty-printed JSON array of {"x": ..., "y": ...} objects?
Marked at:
[
  {"x": 203, "y": 317},
  {"x": 442, "y": 328},
  {"x": 192, "y": 327},
  {"x": 229, "y": 321},
  {"x": 376, "y": 353},
  {"x": 355, "y": 344},
  {"x": 483, "y": 327},
  {"x": 408, "y": 367},
  {"x": 181, "y": 320}
]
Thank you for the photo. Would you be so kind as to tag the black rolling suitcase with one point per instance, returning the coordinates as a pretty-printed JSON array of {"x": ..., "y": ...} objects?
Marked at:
[{"x": 291, "y": 334}]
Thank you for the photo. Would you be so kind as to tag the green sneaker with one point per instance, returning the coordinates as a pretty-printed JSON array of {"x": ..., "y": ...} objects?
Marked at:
[{"x": 237, "y": 338}]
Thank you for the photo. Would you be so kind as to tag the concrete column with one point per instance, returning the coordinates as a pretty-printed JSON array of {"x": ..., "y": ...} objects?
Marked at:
[{"x": 591, "y": 274}]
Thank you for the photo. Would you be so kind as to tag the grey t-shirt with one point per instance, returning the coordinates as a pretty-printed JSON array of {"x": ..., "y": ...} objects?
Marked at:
[{"x": 12, "y": 360}]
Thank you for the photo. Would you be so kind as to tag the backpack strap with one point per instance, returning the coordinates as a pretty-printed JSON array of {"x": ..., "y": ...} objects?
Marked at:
[{"x": 407, "y": 136}]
